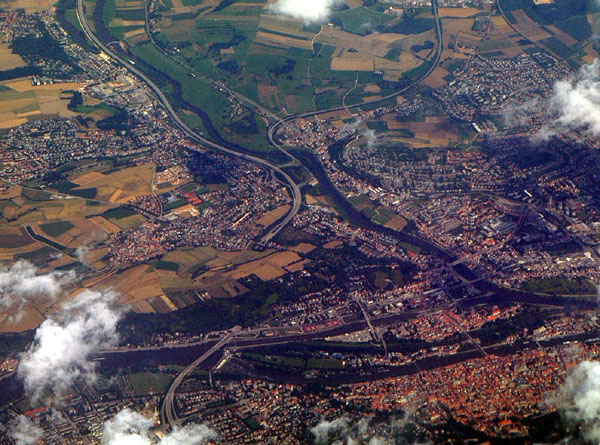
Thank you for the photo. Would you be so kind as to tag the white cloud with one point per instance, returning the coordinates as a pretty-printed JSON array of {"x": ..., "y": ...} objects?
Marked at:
[
  {"x": 365, "y": 132},
  {"x": 24, "y": 432},
  {"x": 581, "y": 399},
  {"x": 350, "y": 434},
  {"x": 522, "y": 114},
  {"x": 131, "y": 428},
  {"x": 127, "y": 428},
  {"x": 63, "y": 345},
  {"x": 326, "y": 428},
  {"x": 20, "y": 284},
  {"x": 81, "y": 253},
  {"x": 188, "y": 435},
  {"x": 310, "y": 11},
  {"x": 575, "y": 103},
  {"x": 361, "y": 432}
]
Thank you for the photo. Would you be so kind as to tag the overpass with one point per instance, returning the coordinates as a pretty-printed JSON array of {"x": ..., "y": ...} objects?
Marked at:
[{"x": 167, "y": 411}]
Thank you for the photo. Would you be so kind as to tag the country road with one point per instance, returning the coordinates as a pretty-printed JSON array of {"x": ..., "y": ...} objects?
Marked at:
[{"x": 440, "y": 46}]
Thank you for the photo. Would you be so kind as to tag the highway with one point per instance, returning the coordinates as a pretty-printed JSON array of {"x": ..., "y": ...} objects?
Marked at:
[
  {"x": 295, "y": 190},
  {"x": 168, "y": 412},
  {"x": 273, "y": 128}
]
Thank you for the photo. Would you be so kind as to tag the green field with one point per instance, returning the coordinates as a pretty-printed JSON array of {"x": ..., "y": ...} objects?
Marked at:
[
  {"x": 576, "y": 26},
  {"x": 362, "y": 20},
  {"x": 149, "y": 382},
  {"x": 220, "y": 44},
  {"x": 55, "y": 229},
  {"x": 193, "y": 90},
  {"x": 561, "y": 286},
  {"x": 167, "y": 265},
  {"x": 570, "y": 16},
  {"x": 174, "y": 204},
  {"x": 36, "y": 195},
  {"x": 558, "y": 47},
  {"x": 119, "y": 213}
]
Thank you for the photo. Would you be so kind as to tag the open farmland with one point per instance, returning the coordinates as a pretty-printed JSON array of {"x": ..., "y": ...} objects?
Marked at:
[
  {"x": 20, "y": 210},
  {"x": 30, "y": 318},
  {"x": 20, "y": 101},
  {"x": 435, "y": 131},
  {"x": 28, "y": 5},
  {"x": 117, "y": 187},
  {"x": 278, "y": 61},
  {"x": 560, "y": 26},
  {"x": 274, "y": 215},
  {"x": 8, "y": 60},
  {"x": 48, "y": 231},
  {"x": 528, "y": 27},
  {"x": 221, "y": 280},
  {"x": 458, "y": 12},
  {"x": 15, "y": 241}
]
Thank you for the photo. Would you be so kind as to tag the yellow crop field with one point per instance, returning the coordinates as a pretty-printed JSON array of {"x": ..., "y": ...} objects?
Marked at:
[
  {"x": 406, "y": 62},
  {"x": 266, "y": 268},
  {"x": 500, "y": 24},
  {"x": 9, "y": 120},
  {"x": 286, "y": 25},
  {"x": 8, "y": 60},
  {"x": 458, "y": 12},
  {"x": 87, "y": 178},
  {"x": 134, "y": 33},
  {"x": 15, "y": 105},
  {"x": 397, "y": 222},
  {"x": 121, "y": 186},
  {"x": 590, "y": 53},
  {"x": 129, "y": 222},
  {"x": 121, "y": 22},
  {"x": 14, "y": 241},
  {"x": 295, "y": 267},
  {"x": 373, "y": 44},
  {"x": 303, "y": 248},
  {"x": 333, "y": 244},
  {"x": 283, "y": 41},
  {"x": 528, "y": 27},
  {"x": 134, "y": 284},
  {"x": 105, "y": 224},
  {"x": 23, "y": 100},
  {"x": 436, "y": 78},
  {"x": 434, "y": 131},
  {"x": 563, "y": 37},
  {"x": 283, "y": 258},
  {"x": 30, "y": 319},
  {"x": 356, "y": 63},
  {"x": 28, "y": 5},
  {"x": 272, "y": 216}
]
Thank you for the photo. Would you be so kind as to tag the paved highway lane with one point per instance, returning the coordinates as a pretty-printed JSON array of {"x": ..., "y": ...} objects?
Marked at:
[
  {"x": 273, "y": 128},
  {"x": 295, "y": 190},
  {"x": 168, "y": 411}
]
